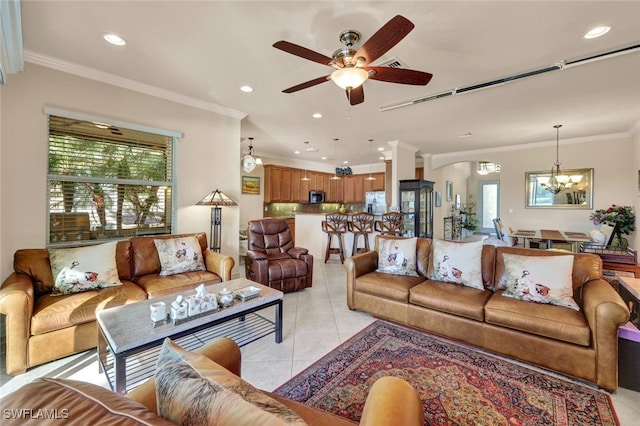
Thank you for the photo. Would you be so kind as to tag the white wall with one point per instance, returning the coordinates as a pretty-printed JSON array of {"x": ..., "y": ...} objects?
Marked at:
[
  {"x": 208, "y": 154},
  {"x": 251, "y": 203},
  {"x": 634, "y": 241},
  {"x": 615, "y": 178}
]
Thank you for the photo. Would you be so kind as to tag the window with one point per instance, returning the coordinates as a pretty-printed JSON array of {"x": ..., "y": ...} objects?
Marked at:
[{"x": 107, "y": 181}]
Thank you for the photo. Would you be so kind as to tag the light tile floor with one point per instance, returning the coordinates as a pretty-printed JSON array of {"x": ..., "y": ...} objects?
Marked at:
[{"x": 316, "y": 320}]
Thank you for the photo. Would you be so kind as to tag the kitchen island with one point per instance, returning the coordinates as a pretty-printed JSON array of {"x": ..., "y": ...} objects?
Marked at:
[{"x": 309, "y": 235}]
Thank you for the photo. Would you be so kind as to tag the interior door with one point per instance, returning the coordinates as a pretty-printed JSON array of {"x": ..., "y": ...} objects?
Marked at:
[{"x": 488, "y": 204}]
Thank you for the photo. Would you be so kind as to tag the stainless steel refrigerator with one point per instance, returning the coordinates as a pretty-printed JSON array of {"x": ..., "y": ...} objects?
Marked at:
[{"x": 375, "y": 202}]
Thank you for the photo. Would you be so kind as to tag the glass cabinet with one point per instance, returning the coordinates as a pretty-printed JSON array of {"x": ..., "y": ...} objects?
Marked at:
[{"x": 416, "y": 204}]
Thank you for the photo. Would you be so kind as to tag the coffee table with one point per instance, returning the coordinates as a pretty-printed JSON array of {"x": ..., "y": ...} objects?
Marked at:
[{"x": 127, "y": 330}]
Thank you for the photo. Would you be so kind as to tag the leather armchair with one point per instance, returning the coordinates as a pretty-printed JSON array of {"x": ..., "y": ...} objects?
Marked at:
[{"x": 272, "y": 258}]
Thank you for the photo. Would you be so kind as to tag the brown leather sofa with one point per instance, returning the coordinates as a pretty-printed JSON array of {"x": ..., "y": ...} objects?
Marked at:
[
  {"x": 582, "y": 344},
  {"x": 391, "y": 400},
  {"x": 274, "y": 260},
  {"x": 41, "y": 327}
]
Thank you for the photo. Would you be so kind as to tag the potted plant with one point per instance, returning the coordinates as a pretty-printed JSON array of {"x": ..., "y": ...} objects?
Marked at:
[
  {"x": 621, "y": 217},
  {"x": 469, "y": 218}
]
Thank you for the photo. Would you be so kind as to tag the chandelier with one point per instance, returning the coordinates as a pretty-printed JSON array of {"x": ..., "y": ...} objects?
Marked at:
[
  {"x": 486, "y": 167},
  {"x": 557, "y": 181}
]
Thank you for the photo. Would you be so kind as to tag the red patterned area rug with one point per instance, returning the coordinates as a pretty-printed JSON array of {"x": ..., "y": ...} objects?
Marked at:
[{"x": 457, "y": 384}]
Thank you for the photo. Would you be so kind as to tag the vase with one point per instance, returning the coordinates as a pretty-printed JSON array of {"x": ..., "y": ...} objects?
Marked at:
[{"x": 620, "y": 242}]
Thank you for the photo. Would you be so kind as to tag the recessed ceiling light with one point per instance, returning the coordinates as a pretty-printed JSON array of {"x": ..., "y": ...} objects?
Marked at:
[
  {"x": 465, "y": 135},
  {"x": 381, "y": 157},
  {"x": 296, "y": 152},
  {"x": 246, "y": 89},
  {"x": 317, "y": 115},
  {"x": 115, "y": 39},
  {"x": 345, "y": 162},
  {"x": 597, "y": 32},
  {"x": 324, "y": 158},
  {"x": 381, "y": 149}
]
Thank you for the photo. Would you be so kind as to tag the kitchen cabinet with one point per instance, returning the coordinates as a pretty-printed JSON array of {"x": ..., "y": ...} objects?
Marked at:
[
  {"x": 416, "y": 204},
  {"x": 353, "y": 189},
  {"x": 285, "y": 185},
  {"x": 374, "y": 185},
  {"x": 291, "y": 221}
]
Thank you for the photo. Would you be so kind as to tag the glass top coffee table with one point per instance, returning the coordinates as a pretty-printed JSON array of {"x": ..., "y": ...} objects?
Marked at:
[{"x": 127, "y": 330}]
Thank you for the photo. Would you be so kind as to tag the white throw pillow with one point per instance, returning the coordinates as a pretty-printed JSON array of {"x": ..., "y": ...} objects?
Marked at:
[
  {"x": 598, "y": 237},
  {"x": 179, "y": 255},
  {"x": 397, "y": 256},
  {"x": 541, "y": 279},
  {"x": 458, "y": 262},
  {"x": 81, "y": 269}
]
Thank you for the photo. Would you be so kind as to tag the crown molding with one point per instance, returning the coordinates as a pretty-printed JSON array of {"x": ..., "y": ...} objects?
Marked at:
[
  {"x": 125, "y": 83},
  {"x": 586, "y": 139}
]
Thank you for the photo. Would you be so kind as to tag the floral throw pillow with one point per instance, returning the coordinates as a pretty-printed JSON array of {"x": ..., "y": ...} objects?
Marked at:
[
  {"x": 459, "y": 263},
  {"x": 192, "y": 389},
  {"x": 541, "y": 279},
  {"x": 397, "y": 256},
  {"x": 81, "y": 269},
  {"x": 178, "y": 255}
]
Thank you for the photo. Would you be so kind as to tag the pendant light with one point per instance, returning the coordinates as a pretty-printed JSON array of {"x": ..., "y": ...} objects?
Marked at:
[
  {"x": 558, "y": 181},
  {"x": 306, "y": 152},
  {"x": 370, "y": 163},
  {"x": 335, "y": 172}
]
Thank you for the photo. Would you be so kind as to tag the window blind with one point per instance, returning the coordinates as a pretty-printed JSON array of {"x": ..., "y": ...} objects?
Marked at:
[{"x": 107, "y": 182}]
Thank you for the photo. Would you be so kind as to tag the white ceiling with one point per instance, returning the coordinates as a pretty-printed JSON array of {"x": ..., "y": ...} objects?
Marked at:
[{"x": 206, "y": 50}]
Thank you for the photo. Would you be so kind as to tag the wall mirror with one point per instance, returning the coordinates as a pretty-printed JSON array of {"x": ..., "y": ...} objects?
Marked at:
[{"x": 578, "y": 195}]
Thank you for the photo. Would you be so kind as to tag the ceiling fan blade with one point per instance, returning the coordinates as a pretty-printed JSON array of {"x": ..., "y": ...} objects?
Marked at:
[
  {"x": 302, "y": 52},
  {"x": 307, "y": 84},
  {"x": 399, "y": 75},
  {"x": 355, "y": 96},
  {"x": 384, "y": 39}
]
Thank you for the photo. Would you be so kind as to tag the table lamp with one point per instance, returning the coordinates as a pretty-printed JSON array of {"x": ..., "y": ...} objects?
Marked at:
[{"x": 216, "y": 199}]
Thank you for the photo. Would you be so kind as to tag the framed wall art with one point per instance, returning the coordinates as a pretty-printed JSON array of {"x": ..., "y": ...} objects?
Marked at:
[
  {"x": 449, "y": 190},
  {"x": 251, "y": 185}
]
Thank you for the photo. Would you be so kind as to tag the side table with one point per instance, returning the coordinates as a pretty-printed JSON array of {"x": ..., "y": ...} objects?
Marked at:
[{"x": 629, "y": 335}]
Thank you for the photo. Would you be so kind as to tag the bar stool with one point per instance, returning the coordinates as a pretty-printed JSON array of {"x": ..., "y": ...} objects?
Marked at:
[
  {"x": 361, "y": 225},
  {"x": 390, "y": 224},
  {"x": 335, "y": 224}
]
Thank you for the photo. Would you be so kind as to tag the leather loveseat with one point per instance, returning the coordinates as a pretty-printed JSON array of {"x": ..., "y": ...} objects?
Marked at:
[
  {"x": 41, "y": 327},
  {"x": 582, "y": 343},
  {"x": 391, "y": 400}
]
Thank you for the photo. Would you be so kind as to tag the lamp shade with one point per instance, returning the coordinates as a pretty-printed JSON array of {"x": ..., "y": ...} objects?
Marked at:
[{"x": 216, "y": 198}]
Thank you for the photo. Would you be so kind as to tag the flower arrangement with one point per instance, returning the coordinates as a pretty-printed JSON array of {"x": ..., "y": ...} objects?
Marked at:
[
  {"x": 469, "y": 219},
  {"x": 622, "y": 216}
]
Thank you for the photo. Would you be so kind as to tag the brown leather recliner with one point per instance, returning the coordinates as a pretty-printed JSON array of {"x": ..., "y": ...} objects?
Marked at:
[{"x": 272, "y": 258}]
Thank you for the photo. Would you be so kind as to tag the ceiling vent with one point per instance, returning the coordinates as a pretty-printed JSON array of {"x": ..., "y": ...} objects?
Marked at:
[{"x": 394, "y": 63}]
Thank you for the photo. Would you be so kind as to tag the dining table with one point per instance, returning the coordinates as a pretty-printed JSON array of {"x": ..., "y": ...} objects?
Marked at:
[{"x": 551, "y": 236}]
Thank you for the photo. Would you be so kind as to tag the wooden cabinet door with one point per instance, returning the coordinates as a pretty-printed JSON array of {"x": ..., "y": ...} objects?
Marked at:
[
  {"x": 286, "y": 183},
  {"x": 276, "y": 185},
  {"x": 374, "y": 185},
  {"x": 296, "y": 186},
  {"x": 267, "y": 183},
  {"x": 353, "y": 188},
  {"x": 334, "y": 193}
]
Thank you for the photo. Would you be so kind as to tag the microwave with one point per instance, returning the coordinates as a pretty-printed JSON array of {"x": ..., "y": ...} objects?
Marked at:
[{"x": 316, "y": 197}]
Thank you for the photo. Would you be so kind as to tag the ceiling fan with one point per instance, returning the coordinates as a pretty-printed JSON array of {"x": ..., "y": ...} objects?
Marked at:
[{"x": 352, "y": 67}]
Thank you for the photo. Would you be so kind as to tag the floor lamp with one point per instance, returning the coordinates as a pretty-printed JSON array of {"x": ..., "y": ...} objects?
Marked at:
[{"x": 216, "y": 199}]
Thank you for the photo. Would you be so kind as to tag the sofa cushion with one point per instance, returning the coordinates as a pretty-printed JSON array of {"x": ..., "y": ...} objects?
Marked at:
[
  {"x": 586, "y": 266},
  {"x": 57, "y": 312},
  {"x": 550, "y": 321},
  {"x": 179, "y": 255},
  {"x": 144, "y": 255},
  {"x": 397, "y": 256},
  {"x": 79, "y": 269},
  {"x": 73, "y": 402},
  {"x": 157, "y": 286},
  {"x": 540, "y": 279},
  {"x": 450, "y": 298},
  {"x": 394, "y": 287},
  {"x": 192, "y": 389},
  {"x": 458, "y": 262}
]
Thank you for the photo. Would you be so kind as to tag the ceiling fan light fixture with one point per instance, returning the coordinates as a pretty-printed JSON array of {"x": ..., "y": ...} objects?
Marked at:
[{"x": 349, "y": 77}]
